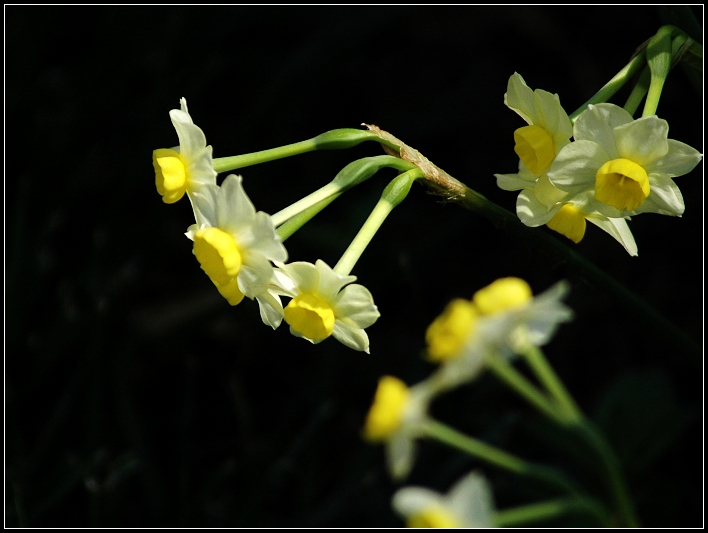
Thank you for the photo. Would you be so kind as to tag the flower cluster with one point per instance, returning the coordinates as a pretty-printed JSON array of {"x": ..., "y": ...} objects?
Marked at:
[
  {"x": 500, "y": 320},
  {"x": 241, "y": 252},
  {"x": 615, "y": 168}
]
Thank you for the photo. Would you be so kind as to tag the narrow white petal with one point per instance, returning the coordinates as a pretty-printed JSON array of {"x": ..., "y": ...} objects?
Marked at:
[
  {"x": 519, "y": 97},
  {"x": 679, "y": 160},
  {"x": 350, "y": 335},
  {"x": 643, "y": 140},
  {"x": 513, "y": 182},
  {"x": 618, "y": 228},
  {"x": 191, "y": 137},
  {"x": 304, "y": 276},
  {"x": 261, "y": 238},
  {"x": 255, "y": 275},
  {"x": 271, "y": 309},
  {"x": 664, "y": 198},
  {"x": 400, "y": 454},
  {"x": 201, "y": 170},
  {"x": 205, "y": 206},
  {"x": 409, "y": 501}
]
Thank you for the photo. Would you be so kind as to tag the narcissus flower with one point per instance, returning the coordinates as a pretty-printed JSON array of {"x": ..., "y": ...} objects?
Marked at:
[
  {"x": 185, "y": 168},
  {"x": 499, "y": 320},
  {"x": 627, "y": 164},
  {"x": 469, "y": 503},
  {"x": 549, "y": 128},
  {"x": 395, "y": 418},
  {"x": 233, "y": 243},
  {"x": 569, "y": 216},
  {"x": 325, "y": 304}
]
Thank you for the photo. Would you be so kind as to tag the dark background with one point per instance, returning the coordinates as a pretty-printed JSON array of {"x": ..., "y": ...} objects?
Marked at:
[{"x": 136, "y": 396}]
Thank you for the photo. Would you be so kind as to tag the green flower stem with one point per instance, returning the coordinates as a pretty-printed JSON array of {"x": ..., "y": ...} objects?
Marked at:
[
  {"x": 612, "y": 471},
  {"x": 393, "y": 194},
  {"x": 335, "y": 139},
  {"x": 547, "y": 376},
  {"x": 299, "y": 220},
  {"x": 552, "y": 509},
  {"x": 496, "y": 457},
  {"x": 308, "y": 201},
  {"x": 614, "y": 85},
  {"x": 527, "y": 390},
  {"x": 533, "y": 238},
  {"x": 638, "y": 92},
  {"x": 659, "y": 61},
  {"x": 353, "y": 174}
]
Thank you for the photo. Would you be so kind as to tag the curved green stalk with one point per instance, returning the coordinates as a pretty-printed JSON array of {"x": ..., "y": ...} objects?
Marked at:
[
  {"x": 498, "y": 458},
  {"x": 552, "y": 509}
]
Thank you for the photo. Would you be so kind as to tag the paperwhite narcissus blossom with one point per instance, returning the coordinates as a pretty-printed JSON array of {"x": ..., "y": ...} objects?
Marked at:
[
  {"x": 537, "y": 145},
  {"x": 468, "y": 503},
  {"x": 325, "y": 304},
  {"x": 395, "y": 418},
  {"x": 549, "y": 128},
  {"x": 568, "y": 217},
  {"x": 185, "y": 168},
  {"x": 500, "y": 320},
  {"x": 233, "y": 243},
  {"x": 627, "y": 164}
]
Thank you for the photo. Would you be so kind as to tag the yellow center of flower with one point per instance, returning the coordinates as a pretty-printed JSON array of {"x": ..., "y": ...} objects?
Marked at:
[
  {"x": 386, "y": 412},
  {"x": 502, "y": 295},
  {"x": 230, "y": 291},
  {"x": 219, "y": 256},
  {"x": 170, "y": 174},
  {"x": 622, "y": 183},
  {"x": 570, "y": 222},
  {"x": 432, "y": 517},
  {"x": 448, "y": 334},
  {"x": 311, "y": 316},
  {"x": 535, "y": 148}
]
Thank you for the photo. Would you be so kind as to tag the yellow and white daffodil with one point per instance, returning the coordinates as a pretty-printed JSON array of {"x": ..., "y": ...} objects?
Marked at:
[
  {"x": 395, "y": 418},
  {"x": 627, "y": 164},
  {"x": 233, "y": 243},
  {"x": 549, "y": 129},
  {"x": 537, "y": 145},
  {"x": 569, "y": 215},
  {"x": 468, "y": 503},
  {"x": 500, "y": 320},
  {"x": 187, "y": 167},
  {"x": 325, "y": 304}
]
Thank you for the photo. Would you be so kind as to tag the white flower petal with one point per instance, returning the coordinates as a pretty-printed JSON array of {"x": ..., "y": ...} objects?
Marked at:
[
  {"x": 356, "y": 304},
  {"x": 618, "y": 228},
  {"x": 400, "y": 455},
  {"x": 263, "y": 239},
  {"x": 191, "y": 138},
  {"x": 513, "y": 182},
  {"x": 409, "y": 501},
  {"x": 532, "y": 212},
  {"x": 350, "y": 335},
  {"x": 551, "y": 115},
  {"x": 519, "y": 97},
  {"x": 330, "y": 282},
  {"x": 271, "y": 309},
  {"x": 575, "y": 166},
  {"x": 201, "y": 170},
  {"x": 543, "y": 316},
  {"x": 664, "y": 198},
  {"x": 205, "y": 206},
  {"x": 597, "y": 124},
  {"x": 255, "y": 274},
  {"x": 679, "y": 160},
  {"x": 643, "y": 141},
  {"x": 236, "y": 211},
  {"x": 470, "y": 500},
  {"x": 304, "y": 276}
]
